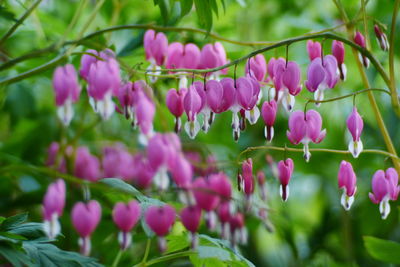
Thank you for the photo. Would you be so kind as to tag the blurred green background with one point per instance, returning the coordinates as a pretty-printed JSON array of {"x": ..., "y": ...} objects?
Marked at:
[{"x": 311, "y": 229}]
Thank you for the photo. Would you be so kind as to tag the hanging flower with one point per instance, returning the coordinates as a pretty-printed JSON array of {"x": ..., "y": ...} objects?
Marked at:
[
  {"x": 338, "y": 53},
  {"x": 268, "y": 113},
  {"x": 347, "y": 181},
  {"x": 126, "y": 216},
  {"x": 355, "y": 126},
  {"x": 191, "y": 217},
  {"x": 313, "y": 49},
  {"x": 156, "y": 48},
  {"x": 359, "y": 39},
  {"x": 285, "y": 169},
  {"x": 160, "y": 219},
  {"x": 53, "y": 206}
]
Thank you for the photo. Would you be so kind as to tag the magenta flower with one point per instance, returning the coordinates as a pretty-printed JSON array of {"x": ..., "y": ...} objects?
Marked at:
[
  {"x": 321, "y": 75},
  {"x": 224, "y": 216},
  {"x": 143, "y": 173},
  {"x": 192, "y": 104},
  {"x": 182, "y": 172},
  {"x": 53, "y": 206},
  {"x": 338, "y": 53},
  {"x": 156, "y": 48},
  {"x": 313, "y": 49},
  {"x": 160, "y": 221},
  {"x": 104, "y": 81},
  {"x": 125, "y": 216},
  {"x": 268, "y": 113},
  {"x": 87, "y": 60},
  {"x": 305, "y": 128},
  {"x": 347, "y": 181},
  {"x": 174, "y": 101},
  {"x": 213, "y": 56},
  {"x": 256, "y": 67},
  {"x": 285, "y": 169},
  {"x": 222, "y": 185},
  {"x": 183, "y": 57},
  {"x": 126, "y": 97},
  {"x": 360, "y": 40},
  {"x": 385, "y": 188},
  {"x": 117, "y": 163},
  {"x": 67, "y": 91},
  {"x": 238, "y": 229},
  {"x": 247, "y": 93},
  {"x": 145, "y": 111},
  {"x": 190, "y": 217},
  {"x": 286, "y": 77},
  {"x": 52, "y": 160},
  {"x": 85, "y": 218},
  {"x": 87, "y": 166},
  {"x": 261, "y": 184},
  {"x": 381, "y": 38},
  {"x": 247, "y": 182},
  {"x": 355, "y": 125}
]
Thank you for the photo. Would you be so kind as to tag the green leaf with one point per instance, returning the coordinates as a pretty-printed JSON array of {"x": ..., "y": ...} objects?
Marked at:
[
  {"x": 214, "y": 6},
  {"x": 213, "y": 252},
  {"x": 383, "y": 250},
  {"x": 15, "y": 255},
  {"x": 29, "y": 230},
  {"x": 186, "y": 7},
  {"x": 177, "y": 242},
  {"x": 120, "y": 185},
  {"x": 164, "y": 9},
  {"x": 6, "y": 14},
  {"x": 14, "y": 221},
  {"x": 204, "y": 13}
]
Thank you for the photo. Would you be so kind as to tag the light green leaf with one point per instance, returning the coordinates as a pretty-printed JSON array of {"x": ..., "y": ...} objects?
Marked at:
[
  {"x": 213, "y": 252},
  {"x": 177, "y": 242},
  {"x": 120, "y": 185},
  {"x": 383, "y": 250}
]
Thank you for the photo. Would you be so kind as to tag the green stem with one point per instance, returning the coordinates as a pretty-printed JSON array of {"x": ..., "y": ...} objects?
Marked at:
[
  {"x": 147, "y": 250},
  {"x": 166, "y": 258},
  {"x": 117, "y": 258},
  {"x": 19, "y": 22},
  {"x": 349, "y": 95},
  {"x": 395, "y": 97}
]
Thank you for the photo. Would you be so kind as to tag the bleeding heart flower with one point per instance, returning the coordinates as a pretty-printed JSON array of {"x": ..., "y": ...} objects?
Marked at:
[
  {"x": 117, "y": 162},
  {"x": 85, "y": 218},
  {"x": 190, "y": 217},
  {"x": 87, "y": 166},
  {"x": 145, "y": 111},
  {"x": 192, "y": 104},
  {"x": 305, "y": 128},
  {"x": 67, "y": 91},
  {"x": 355, "y": 125},
  {"x": 238, "y": 229},
  {"x": 381, "y": 38},
  {"x": 338, "y": 53},
  {"x": 213, "y": 56},
  {"x": 268, "y": 113},
  {"x": 285, "y": 169},
  {"x": 224, "y": 216},
  {"x": 248, "y": 91},
  {"x": 256, "y": 67},
  {"x": 143, "y": 172},
  {"x": 347, "y": 181},
  {"x": 160, "y": 219},
  {"x": 92, "y": 56},
  {"x": 261, "y": 184},
  {"x": 385, "y": 188},
  {"x": 360, "y": 40},
  {"x": 53, "y": 206},
  {"x": 313, "y": 49},
  {"x": 174, "y": 101},
  {"x": 125, "y": 216}
]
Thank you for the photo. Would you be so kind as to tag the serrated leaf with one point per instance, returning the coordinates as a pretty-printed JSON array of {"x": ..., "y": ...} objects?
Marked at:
[
  {"x": 204, "y": 13},
  {"x": 120, "y": 185},
  {"x": 186, "y": 7},
  {"x": 14, "y": 221},
  {"x": 383, "y": 250}
]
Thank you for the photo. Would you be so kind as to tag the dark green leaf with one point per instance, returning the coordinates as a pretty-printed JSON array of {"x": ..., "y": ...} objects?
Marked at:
[
  {"x": 14, "y": 221},
  {"x": 120, "y": 185},
  {"x": 186, "y": 7},
  {"x": 204, "y": 13},
  {"x": 383, "y": 250},
  {"x": 164, "y": 9},
  {"x": 6, "y": 14},
  {"x": 15, "y": 256},
  {"x": 29, "y": 230},
  {"x": 214, "y": 6}
]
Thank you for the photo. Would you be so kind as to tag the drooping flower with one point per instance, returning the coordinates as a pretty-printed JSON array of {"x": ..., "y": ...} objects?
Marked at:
[
  {"x": 286, "y": 78},
  {"x": 53, "y": 206},
  {"x": 360, "y": 40},
  {"x": 238, "y": 229},
  {"x": 85, "y": 218},
  {"x": 256, "y": 67},
  {"x": 247, "y": 93},
  {"x": 231, "y": 102},
  {"x": 285, "y": 169},
  {"x": 174, "y": 101},
  {"x": 143, "y": 173},
  {"x": 224, "y": 216},
  {"x": 305, "y": 128},
  {"x": 145, "y": 111},
  {"x": 53, "y": 161},
  {"x": 192, "y": 104},
  {"x": 313, "y": 49},
  {"x": 156, "y": 48},
  {"x": 126, "y": 97},
  {"x": 160, "y": 219},
  {"x": 87, "y": 166},
  {"x": 213, "y": 56},
  {"x": 268, "y": 113},
  {"x": 190, "y": 217},
  {"x": 104, "y": 81},
  {"x": 117, "y": 163},
  {"x": 355, "y": 126},
  {"x": 181, "y": 56},
  {"x": 181, "y": 171},
  {"x": 261, "y": 184},
  {"x": 381, "y": 38},
  {"x": 338, "y": 53},
  {"x": 385, "y": 188},
  {"x": 247, "y": 179},
  {"x": 67, "y": 91},
  {"x": 92, "y": 56},
  {"x": 321, "y": 75},
  {"x": 347, "y": 181},
  {"x": 125, "y": 216}
]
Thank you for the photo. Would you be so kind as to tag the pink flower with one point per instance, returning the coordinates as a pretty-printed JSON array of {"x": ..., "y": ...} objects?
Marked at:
[
  {"x": 87, "y": 166},
  {"x": 224, "y": 216},
  {"x": 385, "y": 188},
  {"x": 261, "y": 184},
  {"x": 213, "y": 56},
  {"x": 321, "y": 75},
  {"x": 355, "y": 126},
  {"x": 160, "y": 220},
  {"x": 268, "y": 113},
  {"x": 145, "y": 111},
  {"x": 222, "y": 185},
  {"x": 192, "y": 104},
  {"x": 87, "y": 60},
  {"x": 117, "y": 163},
  {"x": 181, "y": 172},
  {"x": 338, "y": 53},
  {"x": 67, "y": 91},
  {"x": 52, "y": 153},
  {"x": 247, "y": 93},
  {"x": 360, "y": 40},
  {"x": 256, "y": 67},
  {"x": 53, "y": 206},
  {"x": 174, "y": 101},
  {"x": 125, "y": 216},
  {"x": 143, "y": 173},
  {"x": 381, "y": 38},
  {"x": 126, "y": 97},
  {"x": 190, "y": 217},
  {"x": 285, "y": 169},
  {"x": 156, "y": 47},
  {"x": 85, "y": 218},
  {"x": 182, "y": 56},
  {"x": 313, "y": 49},
  {"x": 238, "y": 229},
  {"x": 247, "y": 177},
  {"x": 347, "y": 181},
  {"x": 305, "y": 128}
]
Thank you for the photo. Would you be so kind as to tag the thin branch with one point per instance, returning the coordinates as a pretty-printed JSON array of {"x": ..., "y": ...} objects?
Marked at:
[
  {"x": 349, "y": 95},
  {"x": 395, "y": 97},
  {"x": 19, "y": 22}
]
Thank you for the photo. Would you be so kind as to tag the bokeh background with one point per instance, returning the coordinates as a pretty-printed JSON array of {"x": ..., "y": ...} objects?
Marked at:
[{"x": 311, "y": 229}]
